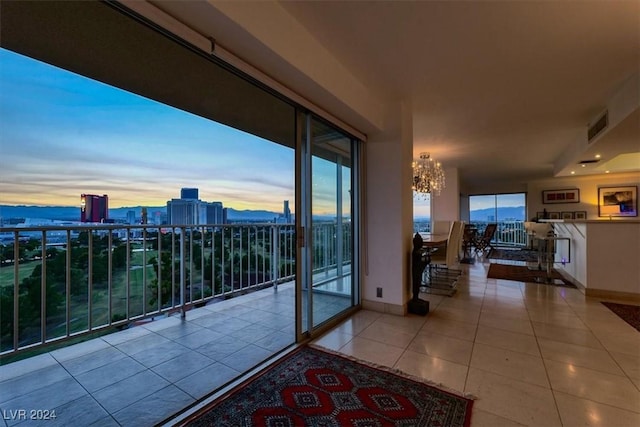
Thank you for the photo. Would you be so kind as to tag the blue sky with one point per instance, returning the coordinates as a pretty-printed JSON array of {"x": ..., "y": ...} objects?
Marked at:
[
  {"x": 63, "y": 135},
  {"x": 490, "y": 201}
]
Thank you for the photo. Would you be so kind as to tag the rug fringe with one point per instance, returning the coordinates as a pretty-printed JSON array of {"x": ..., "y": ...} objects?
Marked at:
[{"x": 396, "y": 371}]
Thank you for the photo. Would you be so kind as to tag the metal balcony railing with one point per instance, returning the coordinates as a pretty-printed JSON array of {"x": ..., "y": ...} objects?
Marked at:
[
  {"x": 508, "y": 233},
  {"x": 60, "y": 282}
]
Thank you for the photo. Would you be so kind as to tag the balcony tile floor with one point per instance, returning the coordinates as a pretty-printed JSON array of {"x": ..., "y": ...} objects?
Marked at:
[
  {"x": 532, "y": 355},
  {"x": 144, "y": 374}
]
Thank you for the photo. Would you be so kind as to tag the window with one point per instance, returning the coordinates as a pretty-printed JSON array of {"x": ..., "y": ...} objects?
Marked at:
[
  {"x": 507, "y": 210},
  {"x": 422, "y": 213}
]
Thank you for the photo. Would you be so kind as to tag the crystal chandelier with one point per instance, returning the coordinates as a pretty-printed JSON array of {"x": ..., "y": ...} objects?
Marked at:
[{"x": 428, "y": 176}]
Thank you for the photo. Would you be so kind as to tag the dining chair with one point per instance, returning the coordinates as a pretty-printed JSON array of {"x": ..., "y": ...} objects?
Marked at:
[
  {"x": 442, "y": 266},
  {"x": 468, "y": 239},
  {"x": 441, "y": 277},
  {"x": 441, "y": 227},
  {"x": 483, "y": 242}
]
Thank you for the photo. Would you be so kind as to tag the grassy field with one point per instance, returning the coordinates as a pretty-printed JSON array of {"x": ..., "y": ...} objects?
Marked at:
[
  {"x": 7, "y": 273},
  {"x": 26, "y": 268},
  {"x": 133, "y": 296},
  {"x": 79, "y": 312}
]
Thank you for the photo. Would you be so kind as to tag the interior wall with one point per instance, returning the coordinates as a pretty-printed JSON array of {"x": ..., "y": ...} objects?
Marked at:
[
  {"x": 446, "y": 205},
  {"x": 494, "y": 187},
  {"x": 388, "y": 214},
  {"x": 588, "y": 186},
  {"x": 616, "y": 269},
  {"x": 464, "y": 209}
]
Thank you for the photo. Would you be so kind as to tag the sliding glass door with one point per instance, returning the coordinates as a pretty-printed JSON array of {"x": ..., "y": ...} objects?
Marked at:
[
  {"x": 328, "y": 255},
  {"x": 506, "y": 210}
]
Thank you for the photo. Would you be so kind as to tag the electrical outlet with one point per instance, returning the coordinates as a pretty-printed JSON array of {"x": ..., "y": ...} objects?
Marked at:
[{"x": 379, "y": 292}]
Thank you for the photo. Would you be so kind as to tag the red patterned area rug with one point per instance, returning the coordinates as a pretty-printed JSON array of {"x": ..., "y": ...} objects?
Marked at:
[
  {"x": 314, "y": 388},
  {"x": 627, "y": 312}
]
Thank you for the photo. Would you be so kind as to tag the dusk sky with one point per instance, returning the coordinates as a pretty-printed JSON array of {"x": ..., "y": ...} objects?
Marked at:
[{"x": 63, "y": 134}]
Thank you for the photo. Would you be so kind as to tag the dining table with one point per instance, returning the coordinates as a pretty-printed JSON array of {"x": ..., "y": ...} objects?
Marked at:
[
  {"x": 423, "y": 245},
  {"x": 432, "y": 240}
]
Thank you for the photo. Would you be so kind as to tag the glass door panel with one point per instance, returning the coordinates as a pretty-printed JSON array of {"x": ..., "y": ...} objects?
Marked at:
[
  {"x": 330, "y": 235},
  {"x": 510, "y": 214}
]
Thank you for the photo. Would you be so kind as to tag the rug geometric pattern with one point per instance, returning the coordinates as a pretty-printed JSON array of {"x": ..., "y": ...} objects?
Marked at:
[{"x": 313, "y": 388}]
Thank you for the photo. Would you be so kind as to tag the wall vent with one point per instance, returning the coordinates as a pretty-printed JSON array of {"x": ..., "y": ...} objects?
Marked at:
[{"x": 598, "y": 126}]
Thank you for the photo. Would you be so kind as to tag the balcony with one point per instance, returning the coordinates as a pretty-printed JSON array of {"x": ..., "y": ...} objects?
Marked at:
[
  {"x": 96, "y": 323},
  {"x": 508, "y": 233}
]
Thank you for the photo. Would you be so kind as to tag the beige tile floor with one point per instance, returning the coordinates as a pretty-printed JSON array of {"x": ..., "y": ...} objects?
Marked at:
[{"x": 532, "y": 355}]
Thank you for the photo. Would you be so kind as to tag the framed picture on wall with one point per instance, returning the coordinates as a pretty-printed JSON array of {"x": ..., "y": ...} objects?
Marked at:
[
  {"x": 540, "y": 215},
  {"x": 567, "y": 215},
  {"x": 554, "y": 215},
  {"x": 561, "y": 196},
  {"x": 618, "y": 201},
  {"x": 580, "y": 215}
]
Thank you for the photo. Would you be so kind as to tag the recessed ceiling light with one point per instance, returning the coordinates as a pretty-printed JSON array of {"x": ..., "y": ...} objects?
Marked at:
[
  {"x": 606, "y": 171},
  {"x": 597, "y": 156},
  {"x": 583, "y": 165},
  {"x": 573, "y": 172}
]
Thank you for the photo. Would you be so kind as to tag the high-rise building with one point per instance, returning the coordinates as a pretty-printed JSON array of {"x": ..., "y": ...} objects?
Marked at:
[
  {"x": 189, "y": 193},
  {"x": 131, "y": 217},
  {"x": 94, "y": 208},
  {"x": 189, "y": 210},
  {"x": 183, "y": 212},
  {"x": 287, "y": 212},
  {"x": 159, "y": 217},
  {"x": 214, "y": 213}
]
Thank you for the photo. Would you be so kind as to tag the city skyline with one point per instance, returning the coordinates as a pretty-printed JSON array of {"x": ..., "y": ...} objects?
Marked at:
[{"x": 64, "y": 134}]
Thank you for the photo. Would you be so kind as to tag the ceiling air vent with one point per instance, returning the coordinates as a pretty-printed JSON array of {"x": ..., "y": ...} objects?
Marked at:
[
  {"x": 586, "y": 162},
  {"x": 596, "y": 128}
]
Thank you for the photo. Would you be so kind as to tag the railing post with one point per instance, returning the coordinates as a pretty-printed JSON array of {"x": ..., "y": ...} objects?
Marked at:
[
  {"x": 222, "y": 261},
  {"x": 109, "y": 275},
  {"x": 67, "y": 283},
  {"x": 339, "y": 248},
  {"x": 240, "y": 263},
  {"x": 275, "y": 256},
  {"x": 183, "y": 284},
  {"x": 43, "y": 291},
  {"x": 144, "y": 270},
  {"x": 16, "y": 289},
  {"x": 89, "y": 279}
]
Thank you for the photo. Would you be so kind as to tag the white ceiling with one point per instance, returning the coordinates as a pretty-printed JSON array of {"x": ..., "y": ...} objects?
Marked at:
[{"x": 500, "y": 90}]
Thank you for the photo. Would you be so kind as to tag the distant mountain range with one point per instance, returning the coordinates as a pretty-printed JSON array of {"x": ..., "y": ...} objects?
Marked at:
[
  {"x": 489, "y": 214},
  {"x": 70, "y": 213},
  {"x": 503, "y": 213}
]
